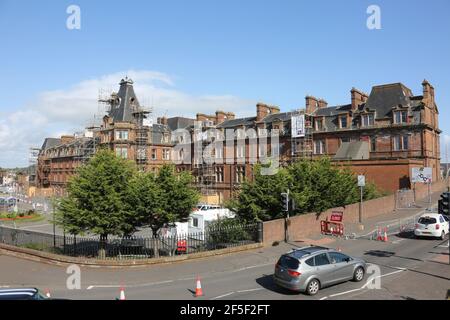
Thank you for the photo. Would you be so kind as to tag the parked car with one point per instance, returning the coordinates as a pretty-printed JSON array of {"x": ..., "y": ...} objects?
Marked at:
[
  {"x": 22, "y": 294},
  {"x": 432, "y": 225},
  {"x": 310, "y": 269}
]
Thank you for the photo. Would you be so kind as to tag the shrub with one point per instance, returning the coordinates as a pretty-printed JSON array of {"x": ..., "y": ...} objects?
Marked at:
[{"x": 227, "y": 230}]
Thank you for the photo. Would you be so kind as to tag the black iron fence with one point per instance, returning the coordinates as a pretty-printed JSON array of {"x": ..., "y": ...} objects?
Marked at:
[{"x": 134, "y": 247}]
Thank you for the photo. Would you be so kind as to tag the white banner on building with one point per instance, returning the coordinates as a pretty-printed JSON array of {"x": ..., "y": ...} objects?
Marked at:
[
  {"x": 298, "y": 126},
  {"x": 422, "y": 175}
]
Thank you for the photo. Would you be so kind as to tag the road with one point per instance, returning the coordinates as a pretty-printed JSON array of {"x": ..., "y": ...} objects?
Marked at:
[{"x": 410, "y": 269}]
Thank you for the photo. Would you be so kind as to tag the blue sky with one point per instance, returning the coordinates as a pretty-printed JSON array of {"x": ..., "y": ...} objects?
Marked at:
[{"x": 191, "y": 56}]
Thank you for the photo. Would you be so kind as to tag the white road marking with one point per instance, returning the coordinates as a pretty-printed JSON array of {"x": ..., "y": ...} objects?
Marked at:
[
  {"x": 398, "y": 241},
  {"x": 252, "y": 267},
  {"x": 130, "y": 285},
  {"x": 5, "y": 286},
  {"x": 222, "y": 296},
  {"x": 366, "y": 284},
  {"x": 250, "y": 290},
  {"x": 345, "y": 292}
]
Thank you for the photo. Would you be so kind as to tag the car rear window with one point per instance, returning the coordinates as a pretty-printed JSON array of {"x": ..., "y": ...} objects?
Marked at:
[
  {"x": 289, "y": 262},
  {"x": 427, "y": 220}
]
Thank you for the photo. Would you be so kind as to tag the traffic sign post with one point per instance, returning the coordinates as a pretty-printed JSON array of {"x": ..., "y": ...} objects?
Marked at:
[
  {"x": 361, "y": 185},
  {"x": 285, "y": 201},
  {"x": 423, "y": 175}
]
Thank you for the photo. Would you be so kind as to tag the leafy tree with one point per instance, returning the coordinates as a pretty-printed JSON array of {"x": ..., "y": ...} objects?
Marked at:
[
  {"x": 162, "y": 199},
  {"x": 158, "y": 200},
  {"x": 314, "y": 186},
  {"x": 96, "y": 198},
  {"x": 259, "y": 200}
]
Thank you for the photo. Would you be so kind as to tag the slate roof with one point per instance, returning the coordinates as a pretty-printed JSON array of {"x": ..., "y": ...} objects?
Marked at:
[
  {"x": 179, "y": 123},
  {"x": 50, "y": 143},
  {"x": 126, "y": 103},
  {"x": 383, "y": 98},
  {"x": 249, "y": 121}
]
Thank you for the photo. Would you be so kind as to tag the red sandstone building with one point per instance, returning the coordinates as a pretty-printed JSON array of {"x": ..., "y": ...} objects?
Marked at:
[
  {"x": 382, "y": 135},
  {"x": 124, "y": 129}
]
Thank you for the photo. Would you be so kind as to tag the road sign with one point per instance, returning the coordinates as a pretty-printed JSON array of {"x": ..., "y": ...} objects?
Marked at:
[
  {"x": 361, "y": 181},
  {"x": 337, "y": 216},
  {"x": 422, "y": 175}
]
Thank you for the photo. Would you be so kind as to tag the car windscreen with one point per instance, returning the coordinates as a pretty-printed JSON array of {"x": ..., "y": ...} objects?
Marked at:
[
  {"x": 289, "y": 262},
  {"x": 427, "y": 220}
]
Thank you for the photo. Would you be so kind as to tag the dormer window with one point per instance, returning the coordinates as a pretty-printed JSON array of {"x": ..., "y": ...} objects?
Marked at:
[
  {"x": 343, "y": 122},
  {"x": 319, "y": 124},
  {"x": 367, "y": 120},
  {"x": 400, "y": 117}
]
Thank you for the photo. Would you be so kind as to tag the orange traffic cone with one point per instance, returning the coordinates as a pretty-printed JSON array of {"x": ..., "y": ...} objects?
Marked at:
[
  {"x": 122, "y": 294},
  {"x": 379, "y": 238},
  {"x": 198, "y": 289},
  {"x": 385, "y": 238},
  {"x": 47, "y": 293}
]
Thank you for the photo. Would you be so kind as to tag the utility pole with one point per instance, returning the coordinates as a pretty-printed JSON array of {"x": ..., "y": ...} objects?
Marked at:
[{"x": 446, "y": 166}]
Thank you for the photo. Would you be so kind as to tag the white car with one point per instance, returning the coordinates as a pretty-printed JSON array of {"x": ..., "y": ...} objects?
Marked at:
[{"x": 432, "y": 225}]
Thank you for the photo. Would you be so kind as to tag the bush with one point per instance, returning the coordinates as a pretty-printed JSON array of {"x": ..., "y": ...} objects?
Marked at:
[
  {"x": 227, "y": 230},
  {"x": 35, "y": 246}
]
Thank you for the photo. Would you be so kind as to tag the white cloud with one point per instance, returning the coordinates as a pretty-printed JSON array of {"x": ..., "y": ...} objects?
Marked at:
[{"x": 68, "y": 110}]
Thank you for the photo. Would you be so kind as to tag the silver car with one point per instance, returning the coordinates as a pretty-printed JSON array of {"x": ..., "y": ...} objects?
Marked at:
[{"x": 309, "y": 269}]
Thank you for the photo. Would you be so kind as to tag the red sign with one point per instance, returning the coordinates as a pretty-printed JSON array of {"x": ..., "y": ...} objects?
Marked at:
[
  {"x": 181, "y": 246},
  {"x": 337, "y": 216}
]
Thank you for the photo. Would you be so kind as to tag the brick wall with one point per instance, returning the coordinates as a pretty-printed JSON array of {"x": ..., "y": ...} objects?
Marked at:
[{"x": 307, "y": 225}]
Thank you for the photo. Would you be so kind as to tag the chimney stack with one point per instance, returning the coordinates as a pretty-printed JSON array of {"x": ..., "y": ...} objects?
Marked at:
[
  {"x": 230, "y": 116},
  {"x": 428, "y": 92},
  {"x": 221, "y": 116},
  {"x": 262, "y": 111},
  {"x": 322, "y": 103},
  {"x": 67, "y": 139},
  {"x": 312, "y": 104},
  {"x": 358, "y": 98}
]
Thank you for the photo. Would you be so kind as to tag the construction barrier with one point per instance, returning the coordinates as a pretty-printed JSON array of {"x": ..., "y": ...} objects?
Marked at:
[{"x": 331, "y": 227}]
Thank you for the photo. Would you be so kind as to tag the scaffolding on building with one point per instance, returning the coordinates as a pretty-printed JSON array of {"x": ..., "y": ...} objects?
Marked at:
[
  {"x": 142, "y": 140},
  {"x": 33, "y": 163},
  {"x": 204, "y": 164},
  {"x": 302, "y": 146}
]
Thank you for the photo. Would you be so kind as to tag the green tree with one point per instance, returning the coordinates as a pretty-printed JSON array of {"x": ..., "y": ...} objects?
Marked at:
[
  {"x": 165, "y": 198},
  {"x": 161, "y": 199},
  {"x": 314, "y": 186},
  {"x": 96, "y": 199},
  {"x": 259, "y": 200}
]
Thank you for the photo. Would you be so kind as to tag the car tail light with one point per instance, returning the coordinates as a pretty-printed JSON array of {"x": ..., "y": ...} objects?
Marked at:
[
  {"x": 294, "y": 273},
  {"x": 437, "y": 227}
]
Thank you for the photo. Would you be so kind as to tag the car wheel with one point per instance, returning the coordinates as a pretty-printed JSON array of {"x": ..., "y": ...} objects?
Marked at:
[
  {"x": 443, "y": 235},
  {"x": 359, "y": 274},
  {"x": 313, "y": 287}
]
